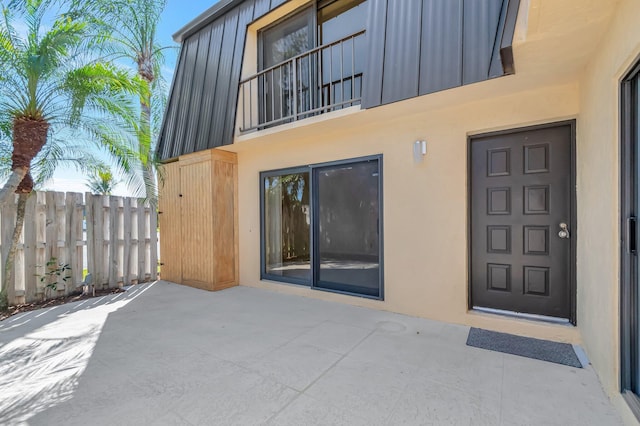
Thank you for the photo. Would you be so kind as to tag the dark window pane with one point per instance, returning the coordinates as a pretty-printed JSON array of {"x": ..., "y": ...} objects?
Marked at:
[
  {"x": 341, "y": 18},
  {"x": 288, "y": 39},
  {"x": 347, "y": 228},
  {"x": 286, "y": 230},
  {"x": 342, "y": 64}
]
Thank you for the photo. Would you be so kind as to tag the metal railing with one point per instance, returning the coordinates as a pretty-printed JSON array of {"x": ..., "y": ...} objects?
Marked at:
[{"x": 324, "y": 79}]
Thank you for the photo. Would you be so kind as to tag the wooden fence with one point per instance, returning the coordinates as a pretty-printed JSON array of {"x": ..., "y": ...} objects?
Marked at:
[{"x": 114, "y": 238}]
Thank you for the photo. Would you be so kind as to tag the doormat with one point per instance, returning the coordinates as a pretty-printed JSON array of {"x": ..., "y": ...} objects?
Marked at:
[{"x": 560, "y": 353}]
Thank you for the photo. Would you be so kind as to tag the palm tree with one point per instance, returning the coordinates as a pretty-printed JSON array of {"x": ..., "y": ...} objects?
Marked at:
[
  {"x": 102, "y": 181},
  {"x": 132, "y": 29},
  {"x": 50, "y": 83}
]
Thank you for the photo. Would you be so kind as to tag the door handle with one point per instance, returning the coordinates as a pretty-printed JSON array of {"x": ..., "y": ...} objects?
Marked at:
[
  {"x": 564, "y": 231},
  {"x": 632, "y": 235}
]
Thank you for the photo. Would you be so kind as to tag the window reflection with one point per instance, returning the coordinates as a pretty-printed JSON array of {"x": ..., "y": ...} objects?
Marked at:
[
  {"x": 287, "y": 220},
  {"x": 348, "y": 238}
]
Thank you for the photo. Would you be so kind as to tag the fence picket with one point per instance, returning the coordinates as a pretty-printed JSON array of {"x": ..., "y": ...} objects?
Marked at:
[
  {"x": 7, "y": 223},
  {"x": 71, "y": 241},
  {"x": 91, "y": 245},
  {"x": 113, "y": 242},
  {"x": 153, "y": 243},
  {"x": 127, "y": 252},
  {"x": 51, "y": 242},
  {"x": 141, "y": 243},
  {"x": 30, "y": 249},
  {"x": 98, "y": 239}
]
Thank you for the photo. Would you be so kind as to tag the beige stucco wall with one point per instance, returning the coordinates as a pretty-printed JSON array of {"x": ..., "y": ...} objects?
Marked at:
[
  {"x": 598, "y": 194},
  {"x": 425, "y": 205},
  {"x": 566, "y": 68}
]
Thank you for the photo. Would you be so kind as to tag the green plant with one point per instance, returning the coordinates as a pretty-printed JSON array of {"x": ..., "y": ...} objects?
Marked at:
[
  {"x": 101, "y": 181},
  {"x": 4, "y": 301},
  {"x": 53, "y": 274}
]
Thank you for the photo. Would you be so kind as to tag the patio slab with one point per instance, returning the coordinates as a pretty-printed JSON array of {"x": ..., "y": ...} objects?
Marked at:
[{"x": 162, "y": 353}]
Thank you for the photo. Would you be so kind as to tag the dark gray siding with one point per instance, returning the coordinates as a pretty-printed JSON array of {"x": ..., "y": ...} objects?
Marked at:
[
  {"x": 479, "y": 35},
  {"x": 204, "y": 39},
  {"x": 225, "y": 87},
  {"x": 212, "y": 53},
  {"x": 422, "y": 46},
  {"x": 201, "y": 111},
  {"x": 372, "y": 80},
  {"x": 415, "y": 47},
  {"x": 401, "y": 70},
  {"x": 245, "y": 17},
  {"x": 441, "y": 68}
]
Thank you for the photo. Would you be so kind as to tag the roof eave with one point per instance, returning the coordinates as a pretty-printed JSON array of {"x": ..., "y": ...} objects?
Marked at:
[{"x": 206, "y": 17}]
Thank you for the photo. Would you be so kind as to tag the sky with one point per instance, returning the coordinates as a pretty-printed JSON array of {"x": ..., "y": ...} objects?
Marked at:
[{"x": 176, "y": 14}]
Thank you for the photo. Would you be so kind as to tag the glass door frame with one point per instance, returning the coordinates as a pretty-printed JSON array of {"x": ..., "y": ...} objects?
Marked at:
[
  {"x": 629, "y": 232},
  {"x": 314, "y": 201},
  {"x": 315, "y": 208}
]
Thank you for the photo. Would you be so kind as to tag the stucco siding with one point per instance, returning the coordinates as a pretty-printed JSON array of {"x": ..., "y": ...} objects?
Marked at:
[
  {"x": 598, "y": 177},
  {"x": 425, "y": 205}
]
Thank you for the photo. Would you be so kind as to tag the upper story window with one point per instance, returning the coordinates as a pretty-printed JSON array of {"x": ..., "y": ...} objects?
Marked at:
[{"x": 310, "y": 63}]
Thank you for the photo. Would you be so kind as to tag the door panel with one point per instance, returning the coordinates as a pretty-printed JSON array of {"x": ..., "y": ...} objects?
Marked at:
[
  {"x": 170, "y": 222},
  {"x": 629, "y": 259},
  {"x": 347, "y": 236},
  {"x": 197, "y": 225},
  {"x": 520, "y": 197}
]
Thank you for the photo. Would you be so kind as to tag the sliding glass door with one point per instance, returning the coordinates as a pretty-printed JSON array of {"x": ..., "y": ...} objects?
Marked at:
[
  {"x": 321, "y": 226},
  {"x": 286, "y": 226},
  {"x": 347, "y": 243}
]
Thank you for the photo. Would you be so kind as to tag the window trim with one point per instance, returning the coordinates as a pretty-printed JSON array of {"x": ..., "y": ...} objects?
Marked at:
[
  {"x": 313, "y": 204},
  {"x": 305, "y": 9},
  {"x": 263, "y": 257}
]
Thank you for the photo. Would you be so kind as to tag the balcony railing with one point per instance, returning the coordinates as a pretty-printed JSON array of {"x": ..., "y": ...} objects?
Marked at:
[{"x": 321, "y": 80}]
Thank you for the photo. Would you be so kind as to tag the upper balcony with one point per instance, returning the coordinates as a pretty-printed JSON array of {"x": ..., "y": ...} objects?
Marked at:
[
  {"x": 250, "y": 68},
  {"x": 310, "y": 61},
  {"x": 320, "y": 80}
]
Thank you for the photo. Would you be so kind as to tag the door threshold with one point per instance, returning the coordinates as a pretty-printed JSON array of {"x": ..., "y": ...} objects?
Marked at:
[{"x": 533, "y": 317}]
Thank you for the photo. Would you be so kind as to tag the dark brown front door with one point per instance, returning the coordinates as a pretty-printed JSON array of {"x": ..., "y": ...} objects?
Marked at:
[{"x": 521, "y": 221}]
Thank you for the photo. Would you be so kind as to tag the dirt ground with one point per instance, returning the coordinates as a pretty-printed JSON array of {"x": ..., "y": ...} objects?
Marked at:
[{"x": 13, "y": 310}]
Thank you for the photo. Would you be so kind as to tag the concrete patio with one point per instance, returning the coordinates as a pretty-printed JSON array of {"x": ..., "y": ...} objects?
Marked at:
[{"x": 162, "y": 353}]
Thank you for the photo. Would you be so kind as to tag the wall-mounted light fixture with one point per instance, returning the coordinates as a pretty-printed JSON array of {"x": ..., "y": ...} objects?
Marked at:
[{"x": 419, "y": 151}]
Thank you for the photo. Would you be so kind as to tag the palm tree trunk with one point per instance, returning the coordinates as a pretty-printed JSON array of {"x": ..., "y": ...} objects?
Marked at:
[
  {"x": 10, "y": 187},
  {"x": 8, "y": 284},
  {"x": 150, "y": 183},
  {"x": 29, "y": 136},
  {"x": 144, "y": 146}
]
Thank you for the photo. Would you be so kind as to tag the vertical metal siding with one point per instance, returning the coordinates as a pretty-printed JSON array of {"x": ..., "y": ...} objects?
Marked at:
[
  {"x": 276, "y": 3},
  {"x": 222, "y": 101},
  {"x": 480, "y": 28},
  {"x": 402, "y": 50},
  {"x": 261, "y": 7},
  {"x": 375, "y": 36},
  {"x": 200, "y": 69},
  {"x": 165, "y": 140},
  {"x": 441, "y": 46},
  {"x": 209, "y": 88},
  {"x": 495, "y": 67},
  {"x": 245, "y": 17},
  {"x": 414, "y": 47},
  {"x": 183, "y": 105}
]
